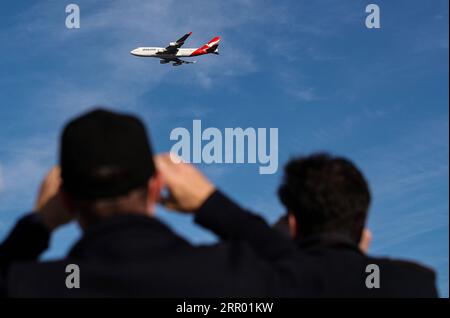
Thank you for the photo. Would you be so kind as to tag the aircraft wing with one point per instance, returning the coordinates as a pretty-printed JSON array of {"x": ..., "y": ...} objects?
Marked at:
[{"x": 174, "y": 46}]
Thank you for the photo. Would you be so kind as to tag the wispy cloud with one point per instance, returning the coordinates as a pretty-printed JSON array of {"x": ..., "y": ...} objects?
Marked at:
[
  {"x": 24, "y": 164},
  {"x": 409, "y": 179},
  {"x": 296, "y": 85},
  {"x": 350, "y": 124},
  {"x": 304, "y": 94}
]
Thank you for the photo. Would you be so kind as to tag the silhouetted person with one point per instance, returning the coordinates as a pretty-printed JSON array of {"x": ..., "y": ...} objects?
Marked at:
[
  {"x": 325, "y": 240},
  {"x": 108, "y": 182},
  {"x": 327, "y": 199}
]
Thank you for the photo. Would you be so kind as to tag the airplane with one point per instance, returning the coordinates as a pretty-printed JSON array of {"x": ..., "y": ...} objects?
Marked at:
[{"x": 173, "y": 51}]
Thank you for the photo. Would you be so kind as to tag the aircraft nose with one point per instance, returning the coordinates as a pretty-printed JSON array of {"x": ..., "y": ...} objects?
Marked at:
[{"x": 133, "y": 52}]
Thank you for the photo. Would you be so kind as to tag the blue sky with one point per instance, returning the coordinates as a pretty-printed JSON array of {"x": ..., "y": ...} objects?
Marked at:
[{"x": 310, "y": 69}]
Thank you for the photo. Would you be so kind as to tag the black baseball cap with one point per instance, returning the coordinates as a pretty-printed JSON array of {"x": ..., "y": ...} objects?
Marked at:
[{"x": 105, "y": 154}]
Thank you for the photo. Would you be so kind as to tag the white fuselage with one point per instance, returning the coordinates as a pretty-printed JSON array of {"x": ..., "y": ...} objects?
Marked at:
[{"x": 158, "y": 52}]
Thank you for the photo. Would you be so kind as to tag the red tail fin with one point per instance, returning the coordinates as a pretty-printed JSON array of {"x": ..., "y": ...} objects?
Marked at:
[
  {"x": 210, "y": 47},
  {"x": 214, "y": 41}
]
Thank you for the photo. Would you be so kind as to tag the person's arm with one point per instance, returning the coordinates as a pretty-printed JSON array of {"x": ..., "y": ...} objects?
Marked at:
[
  {"x": 231, "y": 222},
  {"x": 31, "y": 235},
  {"x": 28, "y": 239},
  {"x": 192, "y": 192}
]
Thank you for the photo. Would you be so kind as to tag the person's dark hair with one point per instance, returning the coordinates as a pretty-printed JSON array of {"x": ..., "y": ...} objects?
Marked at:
[
  {"x": 105, "y": 154},
  {"x": 327, "y": 195},
  {"x": 106, "y": 162}
]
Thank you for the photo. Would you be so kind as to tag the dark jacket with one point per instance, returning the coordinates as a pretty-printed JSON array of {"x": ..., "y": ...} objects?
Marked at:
[
  {"x": 342, "y": 270},
  {"x": 323, "y": 266},
  {"x": 133, "y": 256},
  {"x": 138, "y": 256}
]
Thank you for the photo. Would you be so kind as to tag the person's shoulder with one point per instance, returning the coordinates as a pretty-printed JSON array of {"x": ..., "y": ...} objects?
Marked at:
[
  {"x": 405, "y": 266},
  {"x": 39, "y": 271},
  {"x": 406, "y": 278},
  {"x": 230, "y": 248},
  {"x": 35, "y": 279},
  {"x": 37, "y": 266}
]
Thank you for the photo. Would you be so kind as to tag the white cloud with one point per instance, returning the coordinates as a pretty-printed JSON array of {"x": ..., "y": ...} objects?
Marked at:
[
  {"x": 304, "y": 94},
  {"x": 295, "y": 85},
  {"x": 28, "y": 160}
]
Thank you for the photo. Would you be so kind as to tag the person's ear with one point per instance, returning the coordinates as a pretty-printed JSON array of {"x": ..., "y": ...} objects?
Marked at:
[
  {"x": 366, "y": 239},
  {"x": 155, "y": 186},
  {"x": 292, "y": 225}
]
